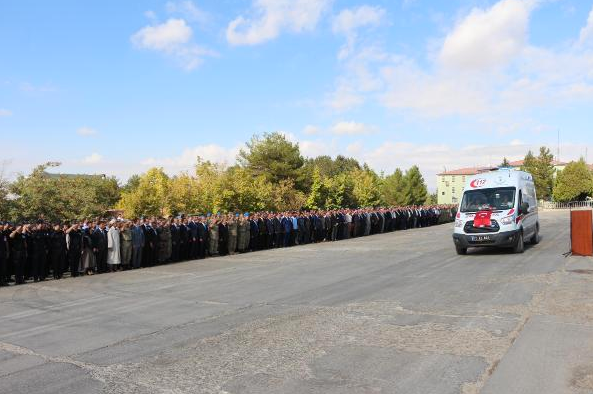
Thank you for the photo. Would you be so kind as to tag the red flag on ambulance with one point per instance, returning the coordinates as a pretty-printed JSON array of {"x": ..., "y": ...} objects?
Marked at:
[{"x": 483, "y": 218}]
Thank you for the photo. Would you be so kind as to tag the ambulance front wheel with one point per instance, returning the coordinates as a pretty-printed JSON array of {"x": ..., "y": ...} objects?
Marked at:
[
  {"x": 460, "y": 251},
  {"x": 535, "y": 239},
  {"x": 520, "y": 245}
]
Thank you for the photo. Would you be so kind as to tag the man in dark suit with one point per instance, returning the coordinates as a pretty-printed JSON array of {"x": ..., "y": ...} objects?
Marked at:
[
  {"x": 151, "y": 240},
  {"x": 175, "y": 240},
  {"x": 99, "y": 242},
  {"x": 203, "y": 237},
  {"x": 253, "y": 233},
  {"x": 278, "y": 231},
  {"x": 287, "y": 226},
  {"x": 193, "y": 238}
]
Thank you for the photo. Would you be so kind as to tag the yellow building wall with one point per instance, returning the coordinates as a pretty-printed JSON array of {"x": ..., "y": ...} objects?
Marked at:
[{"x": 450, "y": 188}]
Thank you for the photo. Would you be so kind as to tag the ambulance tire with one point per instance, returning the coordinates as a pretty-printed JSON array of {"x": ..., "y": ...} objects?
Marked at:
[
  {"x": 520, "y": 245},
  {"x": 535, "y": 239},
  {"x": 461, "y": 251}
]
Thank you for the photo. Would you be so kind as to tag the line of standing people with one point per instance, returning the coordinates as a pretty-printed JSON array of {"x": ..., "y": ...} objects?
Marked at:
[{"x": 40, "y": 250}]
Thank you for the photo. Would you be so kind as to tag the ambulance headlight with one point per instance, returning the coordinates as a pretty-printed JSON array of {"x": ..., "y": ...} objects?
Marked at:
[
  {"x": 459, "y": 223},
  {"x": 508, "y": 220}
]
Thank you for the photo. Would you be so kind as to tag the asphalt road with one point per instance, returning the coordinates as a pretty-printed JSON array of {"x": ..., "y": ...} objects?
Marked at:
[{"x": 392, "y": 313}]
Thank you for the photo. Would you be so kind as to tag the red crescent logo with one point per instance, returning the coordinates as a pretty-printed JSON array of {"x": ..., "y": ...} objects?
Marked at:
[{"x": 477, "y": 183}]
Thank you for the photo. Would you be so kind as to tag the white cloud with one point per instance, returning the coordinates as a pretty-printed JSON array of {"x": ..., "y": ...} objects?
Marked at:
[
  {"x": 163, "y": 37},
  {"x": 5, "y": 112},
  {"x": 488, "y": 37},
  {"x": 86, "y": 131},
  {"x": 345, "y": 97},
  {"x": 188, "y": 10},
  {"x": 314, "y": 148},
  {"x": 94, "y": 158},
  {"x": 173, "y": 38},
  {"x": 150, "y": 15},
  {"x": 310, "y": 130},
  {"x": 352, "y": 128},
  {"x": 483, "y": 66},
  {"x": 361, "y": 76},
  {"x": 350, "y": 20},
  {"x": 188, "y": 158},
  {"x": 586, "y": 36},
  {"x": 32, "y": 88},
  {"x": 271, "y": 17}
]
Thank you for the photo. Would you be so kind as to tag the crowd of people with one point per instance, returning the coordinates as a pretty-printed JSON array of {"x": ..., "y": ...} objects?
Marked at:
[{"x": 38, "y": 250}]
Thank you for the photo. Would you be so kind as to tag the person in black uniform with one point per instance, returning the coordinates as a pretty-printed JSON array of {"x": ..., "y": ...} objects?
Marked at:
[
  {"x": 203, "y": 237},
  {"x": 99, "y": 241},
  {"x": 175, "y": 239},
  {"x": 223, "y": 237},
  {"x": 57, "y": 251},
  {"x": 3, "y": 255},
  {"x": 18, "y": 248},
  {"x": 74, "y": 243},
  {"x": 38, "y": 245},
  {"x": 184, "y": 244},
  {"x": 152, "y": 242}
]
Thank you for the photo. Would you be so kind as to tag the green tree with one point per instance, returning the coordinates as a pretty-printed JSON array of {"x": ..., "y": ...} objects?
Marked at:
[
  {"x": 544, "y": 174},
  {"x": 61, "y": 196},
  {"x": 339, "y": 189},
  {"x": 432, "y": 199},
  {"x": 328, "y": 167},
  {"x": 150, "y": 198},
  {"x": 132, "y": 183},
  {"x": 415, "y": 191},
  {"x": 184, "y": 195},
  {"x": 4, "y": 191},
  {"x": 529, "y": 163},
  {"x": 366, "y": 187},
  {"x": 505, "y": 163},
  {"x": 272, "y": 156},
  {"x": 317, "y": 196},
  {"x": 574, "y": 183},
  {"x": 394, "y": 188}
]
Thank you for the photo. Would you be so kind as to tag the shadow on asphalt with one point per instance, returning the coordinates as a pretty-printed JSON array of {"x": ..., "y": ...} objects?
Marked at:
[{"x": 498, "y": 251}]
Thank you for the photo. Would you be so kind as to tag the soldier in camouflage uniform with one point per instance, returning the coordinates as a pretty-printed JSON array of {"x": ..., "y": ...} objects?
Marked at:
[
  {"x": 213, "y": 241},
  {"x": 233, "y": 234},
  {"x": 243, "y": 235}
]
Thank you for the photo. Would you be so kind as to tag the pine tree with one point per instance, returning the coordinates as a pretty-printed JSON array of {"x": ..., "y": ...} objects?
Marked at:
[
  {"x": 529, "y": 163},
  {"x": 505, "y": 163},
  {"x": 415, "y": 191},
  {"x": 393, "y": 188},
  {"x": 543, "y": 174}
]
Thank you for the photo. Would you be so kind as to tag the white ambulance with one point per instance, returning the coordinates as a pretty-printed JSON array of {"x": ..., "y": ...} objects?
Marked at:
[{"x": 498, "y": 209}]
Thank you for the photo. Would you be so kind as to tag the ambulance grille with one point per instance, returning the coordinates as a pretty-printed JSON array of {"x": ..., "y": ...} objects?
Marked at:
[{"x": 470, "y": 229}]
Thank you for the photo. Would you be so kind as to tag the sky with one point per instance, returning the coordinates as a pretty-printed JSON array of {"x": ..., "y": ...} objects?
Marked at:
[{"x": 117, "y": 87}]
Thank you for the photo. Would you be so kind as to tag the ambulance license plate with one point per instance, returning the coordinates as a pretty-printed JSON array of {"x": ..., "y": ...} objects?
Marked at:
[{"x": 481, "y": 238}]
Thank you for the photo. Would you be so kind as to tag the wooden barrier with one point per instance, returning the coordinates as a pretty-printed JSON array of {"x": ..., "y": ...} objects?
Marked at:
[{"x": 581, "y": 222}]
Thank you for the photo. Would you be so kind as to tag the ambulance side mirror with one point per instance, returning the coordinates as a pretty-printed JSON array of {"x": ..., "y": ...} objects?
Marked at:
[{"x": 524, "y": 208}]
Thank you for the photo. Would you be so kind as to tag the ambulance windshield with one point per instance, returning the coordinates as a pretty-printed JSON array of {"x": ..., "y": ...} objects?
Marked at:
[{"x": 497, "y": 199}]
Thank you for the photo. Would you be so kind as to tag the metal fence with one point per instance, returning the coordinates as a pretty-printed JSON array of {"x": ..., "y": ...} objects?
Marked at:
[{"x": 565, "y": 205}]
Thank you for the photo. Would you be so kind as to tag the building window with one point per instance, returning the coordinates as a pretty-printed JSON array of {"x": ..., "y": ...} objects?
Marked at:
[
  {"x": 453, "y": 190},
  {"x": 447, "y": 184},
  {"x": 442, "y": 193}
]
